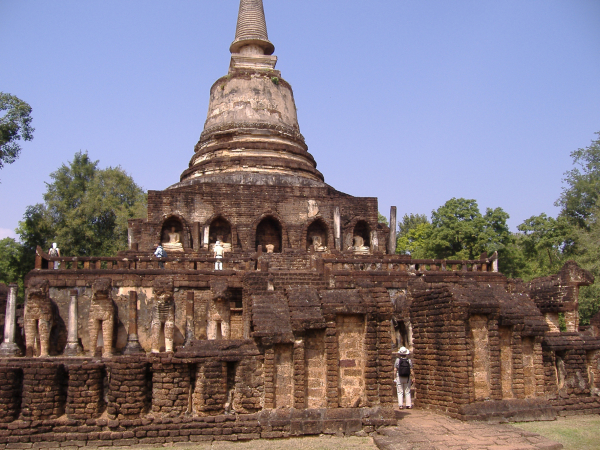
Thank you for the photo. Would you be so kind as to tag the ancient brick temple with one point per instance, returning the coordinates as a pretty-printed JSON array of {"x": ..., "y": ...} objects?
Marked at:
[{"x": 279, "y": 306}]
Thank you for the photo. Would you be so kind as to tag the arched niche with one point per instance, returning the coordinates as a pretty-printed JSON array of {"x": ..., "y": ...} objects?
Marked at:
[
  {"x": 317, "y": 235},
  {"x": 269, "y": 231},
  {"x": 219, "y": 230},
  {"x": 172, "y": 234},
  {"x": 363, "y": 230}
]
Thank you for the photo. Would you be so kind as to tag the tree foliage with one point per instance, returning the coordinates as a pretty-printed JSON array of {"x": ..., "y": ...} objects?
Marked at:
[
  {"x": 457, "y": 230},
  {"x": 9, "y": 259},
  {"x": 12, "y": 268},
  {"x": 460, "y": 231},
  {"x": 579, "y": 196},
  {"x": 546, "y": 243},
  {"x": 414, "y": 229},
  {"x": 415, "y": 241},
  {"x": 411, "y": 221},
  {"x": 15, "y": 125},
  {"x": 85, "y": 211}
]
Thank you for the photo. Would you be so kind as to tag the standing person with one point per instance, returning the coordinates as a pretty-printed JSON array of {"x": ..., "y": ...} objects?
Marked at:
[
  {"x": 403, "y": 372},
  {"x": 160, "y": 253},
  {"x": 218, "y": 251},
  {"x": 54, "y": 252}
]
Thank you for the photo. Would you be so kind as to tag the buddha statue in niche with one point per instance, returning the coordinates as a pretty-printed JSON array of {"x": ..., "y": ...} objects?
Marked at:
[
  {"x": 172, "y": 243},
  {"x": 359, "y": 247},
  {"x": 318, "y": 244}
]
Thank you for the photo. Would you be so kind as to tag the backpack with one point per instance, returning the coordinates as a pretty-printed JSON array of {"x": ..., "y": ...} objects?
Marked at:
[{"x": 403, "y": 367}]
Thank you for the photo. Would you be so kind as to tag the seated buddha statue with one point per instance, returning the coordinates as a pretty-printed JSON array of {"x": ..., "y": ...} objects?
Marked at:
[
  {"x": 174, "y": 243},
  {"x": 359, "y": 247},
  {"x": 318, "y": 244}
]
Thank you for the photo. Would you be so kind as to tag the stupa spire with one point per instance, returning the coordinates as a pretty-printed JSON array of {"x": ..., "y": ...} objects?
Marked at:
[
  {"x": 251, "y": 30},
  {"x": 251, "y": 134}
]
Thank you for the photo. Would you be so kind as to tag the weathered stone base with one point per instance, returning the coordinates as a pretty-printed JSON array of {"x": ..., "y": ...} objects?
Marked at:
[
  {"x": 73, "y": 349},
  {"x": 133, "y": 346},
  {"x": 152, "y": 430},
  {"x": 576, "y": 405},
  {"x": 509, "y": 411},
  {"x": 8, "y": 350}
]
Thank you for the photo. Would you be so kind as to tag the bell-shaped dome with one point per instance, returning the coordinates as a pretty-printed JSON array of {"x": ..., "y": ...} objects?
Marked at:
[{"x": 251, "y": 134}]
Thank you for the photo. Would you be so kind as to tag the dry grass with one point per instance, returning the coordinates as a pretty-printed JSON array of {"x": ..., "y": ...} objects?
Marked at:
[{"x": 574, "y": 432}]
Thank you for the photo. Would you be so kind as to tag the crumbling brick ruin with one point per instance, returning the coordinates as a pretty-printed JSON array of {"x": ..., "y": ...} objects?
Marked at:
[{"x": 293, "y": 330}]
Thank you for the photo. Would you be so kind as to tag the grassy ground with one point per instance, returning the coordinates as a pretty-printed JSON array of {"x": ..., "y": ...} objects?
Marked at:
[{"x": 574, "y": 432}]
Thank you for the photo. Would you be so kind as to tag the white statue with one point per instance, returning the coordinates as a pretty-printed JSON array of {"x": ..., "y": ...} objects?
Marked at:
[
  {"x": 318, "y": 244},
  {"x": 359, "y": 246},
  {"x": 270, "y": 248},
  {"x": 218, "y": 251},
  {"x": 174, "y": 243},
  {"x": 54, "y": 252}
]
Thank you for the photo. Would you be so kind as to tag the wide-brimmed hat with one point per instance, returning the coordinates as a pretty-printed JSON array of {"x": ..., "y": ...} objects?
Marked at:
[{"x": 403, "y": 351}]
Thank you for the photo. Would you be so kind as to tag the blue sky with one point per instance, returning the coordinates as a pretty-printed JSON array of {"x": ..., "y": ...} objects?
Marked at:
[{"x": 413, "y": 102}]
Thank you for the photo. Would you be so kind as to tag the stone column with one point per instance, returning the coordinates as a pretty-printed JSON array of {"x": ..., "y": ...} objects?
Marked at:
[
  {"x": 205, "y": 231},
  {"x": 73, "y": 348},
  {"x": 392, "y": 241},
  {"x": 189, "y": 319},
  {"x": 133, "y": 344},
  {"x": 196, "y": 236},
  {"x": 9, "y": 346},
  {"x": 337, "y": 231}
]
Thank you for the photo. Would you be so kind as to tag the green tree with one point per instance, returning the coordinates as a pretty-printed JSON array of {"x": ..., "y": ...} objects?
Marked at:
[
  {"x": 546, "y": 244},
  {"x": 12, "y": 269},
  {"x": 415, "y": 241},
  {"x": 460, "y": 231},
  {"x": 582, "y": 188},
  {"x": 35, "y": 229},
  {"x": 413, "y": 232},
  {"x": 85, "y": 211},
  {"x": 9, "y": 257},
  {"x": 411, "y": 221},
  {"x": 15, "y": 125}
]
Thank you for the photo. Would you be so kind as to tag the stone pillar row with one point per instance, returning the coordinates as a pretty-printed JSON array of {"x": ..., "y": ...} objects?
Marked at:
[{"x": 9, "y": 348}]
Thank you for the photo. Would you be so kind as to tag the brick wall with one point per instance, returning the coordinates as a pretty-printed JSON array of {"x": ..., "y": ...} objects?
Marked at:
[{"x": 244, "y": 207}]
